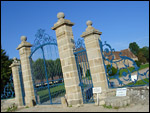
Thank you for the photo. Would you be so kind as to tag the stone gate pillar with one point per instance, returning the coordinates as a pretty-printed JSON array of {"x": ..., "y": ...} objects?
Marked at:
[
  {"x": 91, "y": 36},
  {"x": 25, "y": 51},
  {"x": 65, "y": 41},
  {"x": 16, "y": 80}
]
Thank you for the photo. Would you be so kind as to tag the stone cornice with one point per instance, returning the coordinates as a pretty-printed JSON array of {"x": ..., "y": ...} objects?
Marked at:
[
  {"x": 62, "y": 22},
  {"x": 24, "y": 44},
  {"x": 89, "y": 32},
  {"x": 15, "y": 64}
]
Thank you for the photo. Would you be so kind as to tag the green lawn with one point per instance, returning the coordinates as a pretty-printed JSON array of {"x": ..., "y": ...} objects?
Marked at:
[
  {"x": 140, "y": 82},
  {"x": 54, "y": 91},
  {"x": 131, "y": 69}
]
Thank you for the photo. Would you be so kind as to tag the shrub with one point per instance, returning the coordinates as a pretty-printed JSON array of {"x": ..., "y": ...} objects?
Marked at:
[
  {"x": 112, "y": 70},
  {"x": 138, "y": 63}
]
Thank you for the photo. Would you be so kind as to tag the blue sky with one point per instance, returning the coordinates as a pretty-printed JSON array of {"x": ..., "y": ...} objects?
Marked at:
[{"x": 121, "y": 22}]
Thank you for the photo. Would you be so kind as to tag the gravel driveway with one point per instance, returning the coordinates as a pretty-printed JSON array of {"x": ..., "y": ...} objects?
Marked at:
[{"x": 85, "y": 108}]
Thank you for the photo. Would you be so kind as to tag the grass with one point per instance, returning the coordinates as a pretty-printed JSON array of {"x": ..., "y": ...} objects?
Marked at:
[
  {"x": 108, "y": 107},
  {"x": 12, "y": 108},
  {"x": 54, "y": 91},
  {"x": 140, "y": 82},
  {"x": 131, "y": 69},
  {"x": 144, "y": 66}
]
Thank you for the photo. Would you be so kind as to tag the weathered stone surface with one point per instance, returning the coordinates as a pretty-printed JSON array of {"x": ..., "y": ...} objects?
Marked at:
[
  {"x": 64, "y": 102},
  {"x": 135, "y": 95},
  {"x": 25, "y": 51},
  {"x": 65, "y": 41},
  {"x": 16, "y": 80},
  {"x": 117, "y": 101},
  {"x": 91, "y": 37}
]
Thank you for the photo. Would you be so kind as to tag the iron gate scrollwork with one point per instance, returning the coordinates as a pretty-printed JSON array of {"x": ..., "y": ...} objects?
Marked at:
[
  {"x": 83, "y": 71},
  {"x": 123, "y": 77},
  {"x": 46, "y": 70},
  {"x": 8, "y": 91}
]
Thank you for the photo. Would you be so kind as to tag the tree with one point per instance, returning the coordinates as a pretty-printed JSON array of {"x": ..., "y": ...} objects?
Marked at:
[
  {"x": 51, "y": 70},
  {"x": 145, "y": 51},
  {"x": 134, "y": 48},
  {"x": 141, "y": 57},
  {"x": 58, "y": 67},
  {"x": 5, "y": 69},
  {"x": 38, "y": 69}
]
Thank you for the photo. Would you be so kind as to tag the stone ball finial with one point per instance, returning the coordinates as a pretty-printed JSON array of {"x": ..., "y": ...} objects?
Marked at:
[
  {"x": 60, "y": 15},
  {"x": 23, "y": 38},
  {"x": 89, "y": 23},
  {"x": 14, "y": 58}
]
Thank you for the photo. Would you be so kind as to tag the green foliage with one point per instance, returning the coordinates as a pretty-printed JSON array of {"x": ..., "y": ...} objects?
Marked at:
[
  {"x": 138, "y": 63},
  {"x": 12, "y": 108},
  {"x": 140, "y": 82},
  {"x": 38, "y": 69},
  {"x": 143, "y": 54},
  {"x": 88, "y": 73},
  {"x": 5, "y": 69},
  {"x": 144, "y": 66},
  {"x": 53, "y": 68},
  {"x": 105, "y": 106},
  {"x": 141, "y": 57},
  {"x": 134, "y": 48},
  {"x": 111, "y": 70}
]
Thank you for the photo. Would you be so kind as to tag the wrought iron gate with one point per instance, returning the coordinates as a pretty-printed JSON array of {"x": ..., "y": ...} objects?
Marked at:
[
  {"x": 84, "y": 72},
  {"x": 123, "y": 76},
  {"x": 8, "y": 91},
  {"x": 46, "y": 70}
]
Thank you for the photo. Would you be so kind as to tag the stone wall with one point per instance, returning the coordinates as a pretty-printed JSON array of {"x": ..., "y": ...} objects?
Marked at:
[
  {"x": 135, "y": 95},
  {"x": 139, "y": 95}
]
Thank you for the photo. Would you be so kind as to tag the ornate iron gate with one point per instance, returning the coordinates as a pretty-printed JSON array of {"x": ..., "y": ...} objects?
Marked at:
[
  {"x": 46, "y": 70},
  {"x": 123, "y": 76},
  {"x": 8, "y": 91},
  {"x": 84, "y": 72}
]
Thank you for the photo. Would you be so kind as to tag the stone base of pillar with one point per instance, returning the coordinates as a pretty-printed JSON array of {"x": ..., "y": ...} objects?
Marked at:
[
  {"x": 75, "y": 102},
  {"x": 101, "y": 98},
  {"x": 19, "y": 101},
  {"x": 30, "y": 102}
]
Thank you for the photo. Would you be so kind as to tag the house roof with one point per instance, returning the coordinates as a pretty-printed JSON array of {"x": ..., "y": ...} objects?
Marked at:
[{"x": 125, "y": 52}]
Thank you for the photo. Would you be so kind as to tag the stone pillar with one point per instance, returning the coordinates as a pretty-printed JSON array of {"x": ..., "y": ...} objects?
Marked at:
[
  {"x": 25, "y": 51},
  {"x": 91, "y": 37},
  {"x": 65, "y": 41},
  {"x": 16, "y": 80}
]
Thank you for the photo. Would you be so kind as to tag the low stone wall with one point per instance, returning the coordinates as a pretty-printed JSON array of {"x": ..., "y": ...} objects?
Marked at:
[
  {"x": 135, "y": 95},
  {"x": 6, "y": 103},
  {"x": 139, "y": 95}
]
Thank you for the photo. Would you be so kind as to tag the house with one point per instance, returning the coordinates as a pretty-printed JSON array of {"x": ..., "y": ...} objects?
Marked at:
[
  {"x": 125, "y": 52},
  {"x": 82, "y": 58}
]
